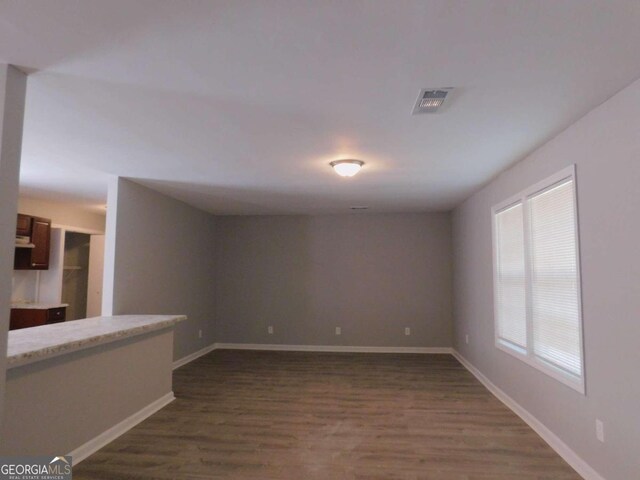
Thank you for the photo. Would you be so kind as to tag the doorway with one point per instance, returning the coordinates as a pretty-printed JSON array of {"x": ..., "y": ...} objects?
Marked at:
[
  {"x": 75, "y": 276},
  {"x": 75, "y": 272}
]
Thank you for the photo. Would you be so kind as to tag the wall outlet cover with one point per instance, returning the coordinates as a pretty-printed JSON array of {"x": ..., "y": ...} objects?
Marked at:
[{"x": 600, "y": 430}]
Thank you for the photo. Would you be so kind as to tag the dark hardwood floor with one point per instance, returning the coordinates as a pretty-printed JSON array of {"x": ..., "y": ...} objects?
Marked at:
[{"x": 289, "y": 415}]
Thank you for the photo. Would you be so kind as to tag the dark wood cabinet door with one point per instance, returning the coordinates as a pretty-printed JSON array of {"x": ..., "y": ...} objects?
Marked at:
[
  {"x": 36, "y": 258},
  {"x": 23, "y": 226},
  {"x": 22, "y": 259},
  {"x": 26, "y": 318},
  {"x": 56, "y": 315},
  {"x": 41, "y": 238}
]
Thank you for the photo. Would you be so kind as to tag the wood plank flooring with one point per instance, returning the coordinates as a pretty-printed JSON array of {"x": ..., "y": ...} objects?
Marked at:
[{"x": 289, "y": 415}]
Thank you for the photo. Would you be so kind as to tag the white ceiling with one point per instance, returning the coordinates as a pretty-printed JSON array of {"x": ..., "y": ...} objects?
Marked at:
[{"x": 238, "y": 106}]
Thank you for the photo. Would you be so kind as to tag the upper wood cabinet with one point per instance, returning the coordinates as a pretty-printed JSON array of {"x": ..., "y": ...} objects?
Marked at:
[
  {"x": 23, "y": 227},
  {"x": 39, "y": 231},
  {"x": 41, "y": 238}
]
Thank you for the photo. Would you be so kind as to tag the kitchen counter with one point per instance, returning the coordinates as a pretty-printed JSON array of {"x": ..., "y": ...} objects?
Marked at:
[
  {"x": 72, "y": 387},
  {"x": 38, "y": 306},
  {"x": 29, "y": 345}
]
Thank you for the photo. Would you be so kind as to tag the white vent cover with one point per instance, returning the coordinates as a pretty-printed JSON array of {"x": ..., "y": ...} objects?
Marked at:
[{"x": 431, "y": 99}]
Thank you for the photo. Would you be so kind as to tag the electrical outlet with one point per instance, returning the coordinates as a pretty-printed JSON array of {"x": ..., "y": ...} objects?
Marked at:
[
  {"x": 338, "y": 331},
  {"x": 407, "y": 331},
  {"x": 599, "y": 430},
  {"x": 199, "y": 333},
  {"x": 270, "y": 329},
  {"x": 466, "y": 339}
]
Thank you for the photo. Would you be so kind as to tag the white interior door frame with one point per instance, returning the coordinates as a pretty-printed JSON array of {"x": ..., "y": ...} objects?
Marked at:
[{"x": 96, "y": 271}]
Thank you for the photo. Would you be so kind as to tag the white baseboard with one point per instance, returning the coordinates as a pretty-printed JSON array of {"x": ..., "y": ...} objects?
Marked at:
[
  {"x": 95, "y": 444},
  {"x": 190, "y": 358},
  {"x": 307, "y": 348},
  {"x": 330, "y": 348},
  {"x": 561, "y": 448}
]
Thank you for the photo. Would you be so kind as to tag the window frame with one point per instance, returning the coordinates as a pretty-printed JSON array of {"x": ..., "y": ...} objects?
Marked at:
[{"x": 527, "y": 355}]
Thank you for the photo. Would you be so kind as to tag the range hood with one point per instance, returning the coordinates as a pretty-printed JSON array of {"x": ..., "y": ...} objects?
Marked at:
[{"x": 24, "y": 242}]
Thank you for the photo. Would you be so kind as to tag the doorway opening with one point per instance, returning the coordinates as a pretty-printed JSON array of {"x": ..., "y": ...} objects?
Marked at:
[
  {"x": 75, "y": 277},
  {"x": 82, "y": 274}
]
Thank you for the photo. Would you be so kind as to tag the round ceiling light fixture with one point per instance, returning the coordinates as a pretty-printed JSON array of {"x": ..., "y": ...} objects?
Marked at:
[{"x": 347, "y": 168}]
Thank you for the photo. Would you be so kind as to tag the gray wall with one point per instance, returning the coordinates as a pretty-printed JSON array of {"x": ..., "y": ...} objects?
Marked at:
[
  {"x": 372, "y": 275},
  {"x": 605, "y": 145},
  {"x": 159, "y": 258},
  {"x": 12, "y": 94}
]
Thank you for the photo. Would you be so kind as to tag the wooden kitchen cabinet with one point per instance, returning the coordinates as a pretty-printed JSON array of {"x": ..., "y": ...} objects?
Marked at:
[
  {"x": 34, "y": 317},
  {"x": 26, "y": 317},
  {"x": 23, "y": 226},
  {"x": 41, "y": 238},
  {"x": 39, "y": 231},
  {"x": 56, "y": 315}
]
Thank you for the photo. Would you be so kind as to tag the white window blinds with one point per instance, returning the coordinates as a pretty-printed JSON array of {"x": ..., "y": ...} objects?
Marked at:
[
  {"x": 554, "y": 277},
  {"x": 537, "y": 278}
]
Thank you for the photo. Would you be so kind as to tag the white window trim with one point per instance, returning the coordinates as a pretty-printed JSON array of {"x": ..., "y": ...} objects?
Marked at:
[{"x": 526, "y": 355}]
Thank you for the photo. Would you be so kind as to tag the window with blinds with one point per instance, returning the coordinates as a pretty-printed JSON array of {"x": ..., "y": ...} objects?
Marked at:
[
  {"x": 537, "y": 278},
  {"x": 511, "y": 291}
]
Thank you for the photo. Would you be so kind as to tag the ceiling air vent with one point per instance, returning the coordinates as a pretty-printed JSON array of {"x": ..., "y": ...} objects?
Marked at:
[{"x": 431, "y": 99}]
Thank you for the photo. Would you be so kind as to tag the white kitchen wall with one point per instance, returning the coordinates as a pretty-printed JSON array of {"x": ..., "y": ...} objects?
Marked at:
[
  {"x": 67, "y": 214},
  {"x": 24, "y": 285}
]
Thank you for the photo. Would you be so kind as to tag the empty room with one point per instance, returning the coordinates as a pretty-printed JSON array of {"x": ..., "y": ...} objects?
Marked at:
[{"x": 334, "y": 239}]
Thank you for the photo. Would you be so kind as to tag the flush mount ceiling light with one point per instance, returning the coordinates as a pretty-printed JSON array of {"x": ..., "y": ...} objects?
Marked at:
[{"x": 347, "y": 168}]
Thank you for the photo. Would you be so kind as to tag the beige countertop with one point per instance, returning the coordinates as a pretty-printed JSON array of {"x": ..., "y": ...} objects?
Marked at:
[
  {"x": 38, "y": 305},
  {"x": 29, "y": 345}
]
